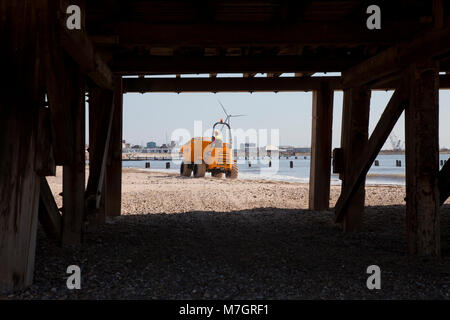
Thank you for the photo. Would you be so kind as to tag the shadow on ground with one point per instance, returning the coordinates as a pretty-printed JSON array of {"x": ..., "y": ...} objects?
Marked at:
[{"x": 265, "y": 253}]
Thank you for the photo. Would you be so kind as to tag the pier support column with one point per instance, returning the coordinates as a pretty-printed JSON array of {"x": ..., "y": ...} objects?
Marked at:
[
  {"x": 321, "y": 136},
  {"x": 114, "y": 168},
  {"x": 422, "y": 162},
  {"x": 19, "y": 113},
  {"x": 74, "y": 172},
  {"x": 354, "y": 136},
  {"x": 101, "y": 111}
]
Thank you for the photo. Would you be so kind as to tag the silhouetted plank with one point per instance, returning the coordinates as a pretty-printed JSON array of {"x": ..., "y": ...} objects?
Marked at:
[
  {"x": 74, "y": 173},
  {"x": 422, "y": 162},
  {"x": 45, "y": 158},
  {"x": 49, "y": 215},
  {"x": 367, "y": 155},
  {"x": 355, "y": 131},
  {"x": 322, "y": 121},
  {"x": 101, "y": 111},
  {"x": 444, "y": 183},
  {"x": 20, "y": 100},
  {"x": 114, "y": 168}
]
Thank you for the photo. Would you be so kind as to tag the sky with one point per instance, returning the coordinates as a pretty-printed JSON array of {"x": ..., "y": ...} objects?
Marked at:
[{"x": 153, "y": 116}]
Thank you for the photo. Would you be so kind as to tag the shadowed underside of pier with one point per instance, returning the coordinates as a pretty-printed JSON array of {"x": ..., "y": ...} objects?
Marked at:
[{"x": 51, "y": 70}]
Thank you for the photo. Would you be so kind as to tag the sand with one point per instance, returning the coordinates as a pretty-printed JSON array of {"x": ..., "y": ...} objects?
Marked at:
[{"x": 186, "y": 238}]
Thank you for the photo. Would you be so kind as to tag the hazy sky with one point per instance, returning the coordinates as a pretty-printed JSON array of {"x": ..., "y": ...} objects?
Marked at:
[{"x": 150, "y": 116}]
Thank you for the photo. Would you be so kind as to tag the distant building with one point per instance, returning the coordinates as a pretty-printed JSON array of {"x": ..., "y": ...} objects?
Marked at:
[{"x": 151, "y": 144}]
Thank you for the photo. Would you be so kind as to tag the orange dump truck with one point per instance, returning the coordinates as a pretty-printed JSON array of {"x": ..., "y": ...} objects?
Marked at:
[{"x": 202, "y": 154}]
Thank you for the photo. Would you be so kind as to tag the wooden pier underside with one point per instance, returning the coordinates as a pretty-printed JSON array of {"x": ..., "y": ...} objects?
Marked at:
[{"x": 51, "y": 69}]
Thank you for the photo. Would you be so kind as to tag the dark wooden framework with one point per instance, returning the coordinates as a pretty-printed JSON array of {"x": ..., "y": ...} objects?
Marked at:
[{"x": 41, "y": 57}]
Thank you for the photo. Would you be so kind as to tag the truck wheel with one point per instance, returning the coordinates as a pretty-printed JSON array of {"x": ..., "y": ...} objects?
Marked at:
[
  {"x": 217, "y": 175},
  {"x": 199, "y": 170},
  {"x": 233, "y": 174},
  {"x": 185, "y": 170}
]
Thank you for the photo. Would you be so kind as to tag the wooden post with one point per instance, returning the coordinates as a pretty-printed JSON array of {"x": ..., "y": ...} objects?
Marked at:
[
  {"x": 422, "y": 162},
  {"x": 355, "y": 131},
  {"x": 322, "y": 122},
  {"x": 74, "y": 172},
  {"x": 101, "y": 111},
  {"x": 114, "y": 168}
]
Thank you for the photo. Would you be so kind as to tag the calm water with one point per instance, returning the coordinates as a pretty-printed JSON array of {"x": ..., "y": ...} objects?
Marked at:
[{"x": 386, "y": 173}]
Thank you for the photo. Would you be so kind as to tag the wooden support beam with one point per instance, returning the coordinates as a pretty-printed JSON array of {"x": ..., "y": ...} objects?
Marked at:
[
  {"x": 74, "y": 173},
  {"x": 433, "y": 44},
  {"x": 134, "y": 64},
  {"x": 80, "y": 48},
  {"x": 322, "y": 121},
  {"x": 237, "y": 34},
  {"x": 225, "y": 84},
  {"x": 45, "y": 158},
  {"x": 247, "y": 84},
  {"x": 114, "y": 168},
  {"x": 444, "y": 183},
  {"x": 355, "y": 131},
  {"x": 101, "y": 111},
  {"x": 438, "y": 13},
  {"x": 369, "y": 152},
  {"x": 49, "y": 215},
  {"x": 20, "y": 100},
  {"x": 422, "y": 162}
]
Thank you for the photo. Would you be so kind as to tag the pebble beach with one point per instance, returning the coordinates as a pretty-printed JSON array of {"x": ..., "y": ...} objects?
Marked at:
[{"x": 209, "y": 238}]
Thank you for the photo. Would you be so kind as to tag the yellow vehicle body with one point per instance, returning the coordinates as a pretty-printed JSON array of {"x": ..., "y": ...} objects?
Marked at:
[
  {"x": 202, "y": 155},
  {"x": 199, "y": 150}
]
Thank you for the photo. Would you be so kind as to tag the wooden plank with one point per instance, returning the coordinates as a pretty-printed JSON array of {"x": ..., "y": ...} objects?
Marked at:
[
  {"x": 49, "y": 215},
  {"x": 322, "y": 121},
  {"x": 134, "y": 64},
  {"x": 45, "y": 159},
  {"x": 444, "y": 183},
  {"x": 433, "y": 44},
  {"x": 101, "y": 111},
  {"x": 225, "y": 84},
  {"x": 19, "y": 109},
  {"x": 248, "y": 84},
  {"x": 368, "y": 154},
  {"x": 74, "y": 173},
  {"x": 422, "y": 162},
  {"x": 55, "y": 63},
  {"x": 114, "y": 168},
  {"x": 261, "y": 34},
  {"x": 355, "y": 127},
  {"x": 80, "y": 48}
]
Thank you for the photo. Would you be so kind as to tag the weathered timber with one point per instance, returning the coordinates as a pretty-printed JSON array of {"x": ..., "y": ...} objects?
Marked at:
[
  {"x": 355, "y": 127},
  {"x": 218, "y": 64},
  {"x": 80, "y": 48},
  {"x": 322, "y": 121},
  {"x": 56, "y": 64},
  {"x": 362, "y": 164},
  {"x": 444, "y": 183},
  {"x": 249, "y": 84},
  {"x": 114, "y": 168},
  {"x": 49, "y": 215},
  {"x": 433, "y": 44},
  {"x": 101, "y": 111},
  {"x": 422, "y": 162},
  {"x": 74, "y": 172},
  {"x": 19, "y": 113},
  {"x": 45, "y": 159},
  {"x": 304, "y": 33}
]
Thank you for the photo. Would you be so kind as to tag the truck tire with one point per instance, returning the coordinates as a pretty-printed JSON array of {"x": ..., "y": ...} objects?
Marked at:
[
  {"x": 233, "y": 174},
  {"x": 185, "y": 170},
  {"x": 218, "y": 175},
  {"x": 199, "y": 170}
]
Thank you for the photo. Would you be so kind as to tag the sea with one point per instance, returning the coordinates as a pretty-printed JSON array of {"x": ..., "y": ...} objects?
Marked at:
[{"x": 390, "y": 169}]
